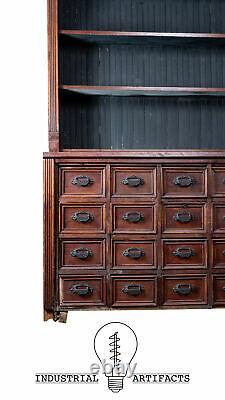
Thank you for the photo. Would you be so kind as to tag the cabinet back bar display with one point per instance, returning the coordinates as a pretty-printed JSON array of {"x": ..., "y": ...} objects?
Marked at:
[{"x": 134, "y": 180}]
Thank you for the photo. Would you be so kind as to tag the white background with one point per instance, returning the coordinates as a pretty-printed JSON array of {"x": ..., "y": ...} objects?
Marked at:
[{"x": 189, "y": 340}]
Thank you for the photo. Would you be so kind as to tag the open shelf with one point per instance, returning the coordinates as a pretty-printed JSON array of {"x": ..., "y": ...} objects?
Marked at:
[
  {"x": 89, "y": 36},
  {"x": 142, "y": 91}
]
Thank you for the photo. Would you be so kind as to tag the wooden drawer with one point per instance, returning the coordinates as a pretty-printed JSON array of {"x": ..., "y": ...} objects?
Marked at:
[
  {"x": 138, "y": 254},
  {"x": 218, "y": 182},
  {"x": 219, "y": 289},
  {"x": 133, "y": 291},
  {"x": 82, "y": 218},
  {"x": 219, "y": 253},
  {"x": 185, "y": 254},
  {"x": 134, "y": 219},
  {"x": 83, "y": 254},
  {"x": 218, "y": 218},
  {"x": 82, "y": 290},
  {"x": 133, "y": 182},
  {"x": 189, "y": 218},
  {"x": 83, "y": 181},
  {"x": 188, "y": 290},
  {"x": 184, "y": 182}
]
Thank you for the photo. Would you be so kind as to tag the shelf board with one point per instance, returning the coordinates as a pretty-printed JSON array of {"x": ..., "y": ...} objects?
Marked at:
[
  {"x": 138, "y": 37},
  {"x": 142, "y": 91}
]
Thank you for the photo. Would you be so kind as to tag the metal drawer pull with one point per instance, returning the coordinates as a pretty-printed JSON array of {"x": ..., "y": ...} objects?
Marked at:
[
  {"x": 183, "y": 289},
  {"x": 134, "y": 252},
  {"x": 133, "y": 216},
  {"x": 224, "y": 252},
  {"x": 184, "y": 252},
  {"x": 82, "y": 253},
  {"x": 82, "y": 216},
  {"x": 223, "y": 288},
  {"x": 82, "y": 289},
  {"x": 82, "y": 180},
  {"x": 133, "y": 181},
  {"x": 183, "y": 217},
  {"x": 133, "y": 290},
  {"x": 184, "y": 181}
]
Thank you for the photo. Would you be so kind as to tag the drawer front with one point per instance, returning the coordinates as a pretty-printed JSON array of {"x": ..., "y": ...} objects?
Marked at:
[
  {"x": 78, "y": 291},
  {"x": 219, "y": 290},
  {"x": 219, "y": 253},
  {"x": 76, "y": 181},
  {"x": 134, "y": 254},
  {"x": 189, "y": 290},
  {"x": 133, "y": 182},
  {"x": 134, "y": 219},
  {"x": 184, "y": 182},
  {"x": 189, "y": 218},
  {"x": 219, "y": 218},
  {"x": 83, "y": 254},
  {"x": 218, "y": 181},
  {"x": 132, "y": 291},
  {"x": 184, "y": 254},
  {"x": 85, "y": 218}
]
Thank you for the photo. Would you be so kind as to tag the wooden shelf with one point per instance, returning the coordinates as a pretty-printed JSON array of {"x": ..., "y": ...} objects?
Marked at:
[
  {"x": 142, "y": 91},
  {"x": 149, "y": 37}
]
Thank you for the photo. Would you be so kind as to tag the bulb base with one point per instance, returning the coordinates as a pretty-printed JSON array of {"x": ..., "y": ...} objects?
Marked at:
[{"x": 115, "y": 383}]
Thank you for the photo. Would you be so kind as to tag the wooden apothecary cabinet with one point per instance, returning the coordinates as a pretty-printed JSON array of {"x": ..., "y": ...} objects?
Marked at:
[{"x": 134, "y": 181}]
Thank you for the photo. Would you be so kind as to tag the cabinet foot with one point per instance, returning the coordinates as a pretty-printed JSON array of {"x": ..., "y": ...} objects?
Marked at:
[{"x": 60, "y": 316}]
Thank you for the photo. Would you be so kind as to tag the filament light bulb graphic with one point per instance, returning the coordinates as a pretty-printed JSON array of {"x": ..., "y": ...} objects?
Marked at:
[{"x": 115, "y": 345}]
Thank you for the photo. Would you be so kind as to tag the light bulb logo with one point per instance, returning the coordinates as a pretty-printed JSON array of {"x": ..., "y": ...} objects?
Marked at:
[{"x": 115, "y": 345}]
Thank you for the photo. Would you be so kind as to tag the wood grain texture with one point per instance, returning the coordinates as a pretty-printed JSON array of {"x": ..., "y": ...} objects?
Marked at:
[
  {"x": 49, "y": 235},
  {"x": 53, "y": 106}
]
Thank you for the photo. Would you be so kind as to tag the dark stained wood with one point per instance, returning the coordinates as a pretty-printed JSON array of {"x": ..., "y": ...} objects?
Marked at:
[
  {"x": 94, "y": 36},
  {"x": 49, "y": 236},
  {"x": 142, "y": 91},
  {"x": 165, "y": 155},
  {"x": 184, "y": 217},
  {"x": 134, "y": 218},
  {"x": 53, "y": 104},
  {"x": 198, "y": 286},
  {"x": 90, "y": 218},
  {"x": 134, "y": 254},
  {"x": 185, "y": 254},
  {"x": 184, "y": 182},
  {"x": 147, "y": 296},
  {"x": 94, "y": 285}
]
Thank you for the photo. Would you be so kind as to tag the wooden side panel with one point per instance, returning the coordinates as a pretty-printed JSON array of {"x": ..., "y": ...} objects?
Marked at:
[
  {"x": 49, "y": 236},
  {"x": 53, "y": 104}
]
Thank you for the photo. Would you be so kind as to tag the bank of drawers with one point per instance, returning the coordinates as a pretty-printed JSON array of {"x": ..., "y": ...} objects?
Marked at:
[{"x": 141, "y": 236}]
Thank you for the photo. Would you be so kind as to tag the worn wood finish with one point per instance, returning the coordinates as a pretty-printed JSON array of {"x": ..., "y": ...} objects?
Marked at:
[
  {"x": 162, "y": 253},
  {"x": 53, "y": 104},
  {"x": 49, "y": 237},
  {"x": 126, "y": 226}
]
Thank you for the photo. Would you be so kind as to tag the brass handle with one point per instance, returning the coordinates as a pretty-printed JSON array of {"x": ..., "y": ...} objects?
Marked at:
[
  {"x": 183, "y": 217},
  {"x": 133, "y": 216},
  {"x": 82, "y": 289},
  {"x": 183, "y": 252},
  {"x": 82, "y": 216},
  {"x": 82, "y": 180},
  {"x": 133, "y": 181},
  {"x": 82, "y": 253},
  {"x": 133, "y": 290},
  {"x": 134, "y": 252},
  {"x": 184, "y": 181},
  {"x": 183, "y": 289}
]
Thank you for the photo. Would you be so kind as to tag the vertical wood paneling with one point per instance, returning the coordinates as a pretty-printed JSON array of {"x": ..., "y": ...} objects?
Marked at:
[
  {"x": 142, "y": 122},
  {"x": 49, "y": 235},
  {"x": 141, "y": 65},
  {"x": 143, "y": 15}
]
